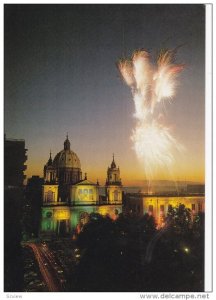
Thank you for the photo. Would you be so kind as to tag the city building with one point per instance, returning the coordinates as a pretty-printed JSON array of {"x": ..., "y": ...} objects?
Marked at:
[
  {"x": 158, "y": 205},
  {"x": 32, "y": 207},
  {"x": 14, "y": 162},
  {"x": 14, "y": 167},
  {"x": 68, "y": 197}
]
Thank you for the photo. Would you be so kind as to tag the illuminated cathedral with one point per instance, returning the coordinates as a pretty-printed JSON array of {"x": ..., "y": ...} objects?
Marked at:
[{"x": 68, "y": 196}]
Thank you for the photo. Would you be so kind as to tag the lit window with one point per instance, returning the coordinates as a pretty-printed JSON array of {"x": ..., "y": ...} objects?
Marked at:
[
  {"x": 150, "y": 208},
  {"x": 49, "y": 197},
  {"x": 115, "y": 195}
]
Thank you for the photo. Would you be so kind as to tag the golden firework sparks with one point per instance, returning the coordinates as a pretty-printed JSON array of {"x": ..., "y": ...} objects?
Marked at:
[{"x": 151, "y": 83}]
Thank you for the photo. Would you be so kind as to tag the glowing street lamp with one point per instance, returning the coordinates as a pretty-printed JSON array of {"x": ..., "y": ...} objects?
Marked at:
[{"x": 186, "y": 250}]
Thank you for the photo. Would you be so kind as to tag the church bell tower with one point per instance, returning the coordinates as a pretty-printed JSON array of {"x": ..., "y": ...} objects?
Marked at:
[
  {"x": 113, "y": 184},
  {"x": 50, "y": 187}
]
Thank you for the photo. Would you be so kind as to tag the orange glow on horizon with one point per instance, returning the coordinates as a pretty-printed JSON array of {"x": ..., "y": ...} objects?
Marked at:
[
  {"x": 130, "y": 176},
  {"x": 190, "y": 167}
]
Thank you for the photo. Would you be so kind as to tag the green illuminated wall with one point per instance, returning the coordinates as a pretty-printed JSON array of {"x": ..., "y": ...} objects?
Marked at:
[{"x": 51, "y": 216}]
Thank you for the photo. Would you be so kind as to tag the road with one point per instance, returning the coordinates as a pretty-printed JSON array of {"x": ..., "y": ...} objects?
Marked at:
[{"x": 51, "y": 271}]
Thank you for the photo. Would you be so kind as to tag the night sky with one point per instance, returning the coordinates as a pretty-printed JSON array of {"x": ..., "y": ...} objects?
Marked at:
[{"x": 60, "y": 76}]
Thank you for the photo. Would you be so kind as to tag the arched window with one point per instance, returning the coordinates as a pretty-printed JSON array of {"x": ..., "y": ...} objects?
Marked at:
[
  {"x": 115, "y": 195},
  {"x": 49, "y": 196},
  {"x": 150, "y": 209}
]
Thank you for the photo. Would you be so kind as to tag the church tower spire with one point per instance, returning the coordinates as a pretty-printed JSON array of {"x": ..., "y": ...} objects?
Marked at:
[
  {"x": 50, "y": 159},
  {"x": 113, "y": 164},
  {"x": 49, "y": 171}
]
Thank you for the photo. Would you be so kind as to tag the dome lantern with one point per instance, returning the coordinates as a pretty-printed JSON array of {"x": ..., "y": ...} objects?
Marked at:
[{"x": 67, "y": 143}]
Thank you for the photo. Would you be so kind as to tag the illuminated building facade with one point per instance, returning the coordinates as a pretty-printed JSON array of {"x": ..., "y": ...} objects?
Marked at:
[
  {"x": 68, "y": 199},
  {"x": 158, "y": 206},
  {"x": 85, "y": 193}
]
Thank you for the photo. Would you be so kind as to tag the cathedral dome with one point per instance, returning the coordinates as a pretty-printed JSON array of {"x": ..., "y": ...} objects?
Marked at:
[{"x": 67, "y": 158}]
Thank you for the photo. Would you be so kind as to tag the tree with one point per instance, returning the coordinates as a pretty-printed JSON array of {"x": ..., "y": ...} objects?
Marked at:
[
  {"x": 147, "y": 225},
  {"x": 177, "y": 258},
  {"x": 114, "y": 254},
  {"x": 179, "y": 219}
]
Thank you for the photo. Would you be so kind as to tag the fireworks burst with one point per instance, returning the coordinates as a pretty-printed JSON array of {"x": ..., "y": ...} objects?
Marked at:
[{"x": 150, "y": 84}]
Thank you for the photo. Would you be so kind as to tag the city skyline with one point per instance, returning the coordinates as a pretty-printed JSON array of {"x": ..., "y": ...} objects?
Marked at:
[{"x": 63, "y": 79}]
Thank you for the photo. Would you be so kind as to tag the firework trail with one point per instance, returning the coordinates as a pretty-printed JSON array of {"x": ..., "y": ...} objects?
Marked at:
[
  {"x": 151, "y": 84},
  {"x": 152, "y": 243}
]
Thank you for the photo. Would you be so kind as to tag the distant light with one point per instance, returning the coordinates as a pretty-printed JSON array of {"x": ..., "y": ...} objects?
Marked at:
[{"x": 186, "y": 250}]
